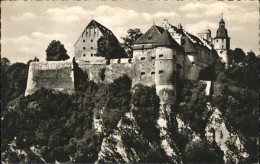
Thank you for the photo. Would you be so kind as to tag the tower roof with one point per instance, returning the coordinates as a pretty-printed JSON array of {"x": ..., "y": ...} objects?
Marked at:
[
  {"x": 222, "y": 31},
  {"x": 150, "y": 36},
  {"x": 166, "y": 40}
]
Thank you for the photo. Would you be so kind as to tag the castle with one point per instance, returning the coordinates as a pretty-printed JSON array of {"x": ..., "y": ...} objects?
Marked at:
[{"x": 161, "y": 56}]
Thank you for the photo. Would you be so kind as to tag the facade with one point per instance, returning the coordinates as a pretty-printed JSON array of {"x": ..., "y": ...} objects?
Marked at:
[
  {"x": 85, "y": 49},
  {"x": 222, "y": 42},
  {"x": 161, "y": 57}
]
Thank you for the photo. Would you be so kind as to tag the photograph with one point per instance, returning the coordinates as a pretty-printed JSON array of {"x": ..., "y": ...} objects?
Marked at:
[{"x": 130, "y": 81}]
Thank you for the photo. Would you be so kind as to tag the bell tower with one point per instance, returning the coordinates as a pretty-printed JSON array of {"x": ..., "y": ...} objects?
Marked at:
[{"x": 222, "y": 42}]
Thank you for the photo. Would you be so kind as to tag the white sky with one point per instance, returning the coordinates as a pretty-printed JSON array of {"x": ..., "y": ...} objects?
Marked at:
[{"x": 28, "y": 27}]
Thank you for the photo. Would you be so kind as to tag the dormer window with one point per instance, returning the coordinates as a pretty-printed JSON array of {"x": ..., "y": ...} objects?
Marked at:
[{"x": 150, "y": 36}]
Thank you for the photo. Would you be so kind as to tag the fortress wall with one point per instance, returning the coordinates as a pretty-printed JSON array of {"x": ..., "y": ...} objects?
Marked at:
[
  {"x": 56, "y": 75},
  {"x": 140, "y": 71},
  {"x": 192, "y": 71}
]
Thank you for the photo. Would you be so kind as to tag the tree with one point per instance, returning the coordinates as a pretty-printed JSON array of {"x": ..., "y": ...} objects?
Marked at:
[
  {"x": 251, "y": 57},
  {"x": 132, "y": 36},
  {"x": 5, "y": 61},
  {"x": 14, "y": 80},
  {"x": 56, "y": 51},
  {"x": 33, "y": 60},
  {"x": 148, "y": 103},
  {"x": 203, "y": 152},
  {"x": 109, "y": 48},
  {"x": 238, "y": 55}
]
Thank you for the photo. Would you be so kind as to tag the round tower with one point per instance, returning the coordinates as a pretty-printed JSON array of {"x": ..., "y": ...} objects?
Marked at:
[
  {"x": 222, "y": 42},
  {"x": 165, "y": 67}
]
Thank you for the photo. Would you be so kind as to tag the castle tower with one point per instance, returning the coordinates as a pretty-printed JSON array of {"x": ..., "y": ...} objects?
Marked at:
[
  {"x": 222, "y": 42},
  {"x": 206, "y": 34},
  {"x": 165, "y": 67}
]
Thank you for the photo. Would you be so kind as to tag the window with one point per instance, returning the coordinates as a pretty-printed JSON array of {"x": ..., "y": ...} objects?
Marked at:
[
  {"x": 91, "y": 40},
  {"x": 217, "y": 40},
  {"x": 83, "y": 40},
  {"x": 193, "y": 63},
  {"x": 84, "y": 54},
  {"x": 161, "y": 55},
  {"x": 142, "y": 58},
  {"x": 222, "y": 46},
  {"x": 84, "y": 48},
  {"x": 150, "y": 36},
  {"x": 160, "y": 72},
  {"x": 91, "y": 47},
  {"x": 91, "y": 55},
  {"x": 153, "y": 57},
  {"x": 152, "y": 73},
  {"x": 222, "y": 40},
  {"x": 221, "y": 135},
  {"x": 142, "y": 73}
]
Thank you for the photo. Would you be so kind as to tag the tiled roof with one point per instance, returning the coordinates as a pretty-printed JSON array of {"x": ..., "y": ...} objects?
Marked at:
[
  {"x": 166, "y": 40},
  {"x": 150, "y": 36},
  {"x": 105, "y": 31},
  {"x": 194, "y": 39},
  {"x": 188, "y": 45}
]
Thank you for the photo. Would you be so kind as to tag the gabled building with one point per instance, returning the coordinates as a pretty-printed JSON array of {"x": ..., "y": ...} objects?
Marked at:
[
  {"x": 85, "y": 49},
  {"x": 143, "y": 47}
]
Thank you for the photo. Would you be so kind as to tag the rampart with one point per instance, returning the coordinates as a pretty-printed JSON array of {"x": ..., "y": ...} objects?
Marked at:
[
  {"x": 139, "y": 72},
  {"x": 57, "y": 75}
]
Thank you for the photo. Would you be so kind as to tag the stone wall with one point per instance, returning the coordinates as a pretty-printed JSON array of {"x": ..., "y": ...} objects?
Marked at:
[
  {"x": 139, "y": 71},
  {"x": 57, "y": 75}
]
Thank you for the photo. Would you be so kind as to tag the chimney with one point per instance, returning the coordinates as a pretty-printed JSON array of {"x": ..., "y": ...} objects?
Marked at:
[{"x": 179, "y": 26}]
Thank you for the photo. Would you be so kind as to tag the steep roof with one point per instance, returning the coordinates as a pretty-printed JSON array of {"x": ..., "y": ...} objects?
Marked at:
[
  {"x": 222, "y": 31},
  {"x": 166, "y": 40},
  {"x": 105, "y": 31},
  {"x": 188, "y": 45},
  {"x": 195, "y": 40},
  {"x": 150, "y": 36}
]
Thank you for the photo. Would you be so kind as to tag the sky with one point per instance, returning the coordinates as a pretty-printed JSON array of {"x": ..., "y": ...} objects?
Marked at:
[{"x": 29, "y": 26}]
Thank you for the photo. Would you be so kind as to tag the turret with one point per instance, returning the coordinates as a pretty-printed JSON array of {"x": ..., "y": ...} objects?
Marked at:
[
  {"x": 222, "y": 42},
  {"x": 165, "y": 67},
  {"x": 206, "y": 34}
]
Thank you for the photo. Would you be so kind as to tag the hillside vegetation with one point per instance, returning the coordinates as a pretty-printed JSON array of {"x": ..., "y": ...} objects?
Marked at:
[{"x": 50, "y": 126}]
